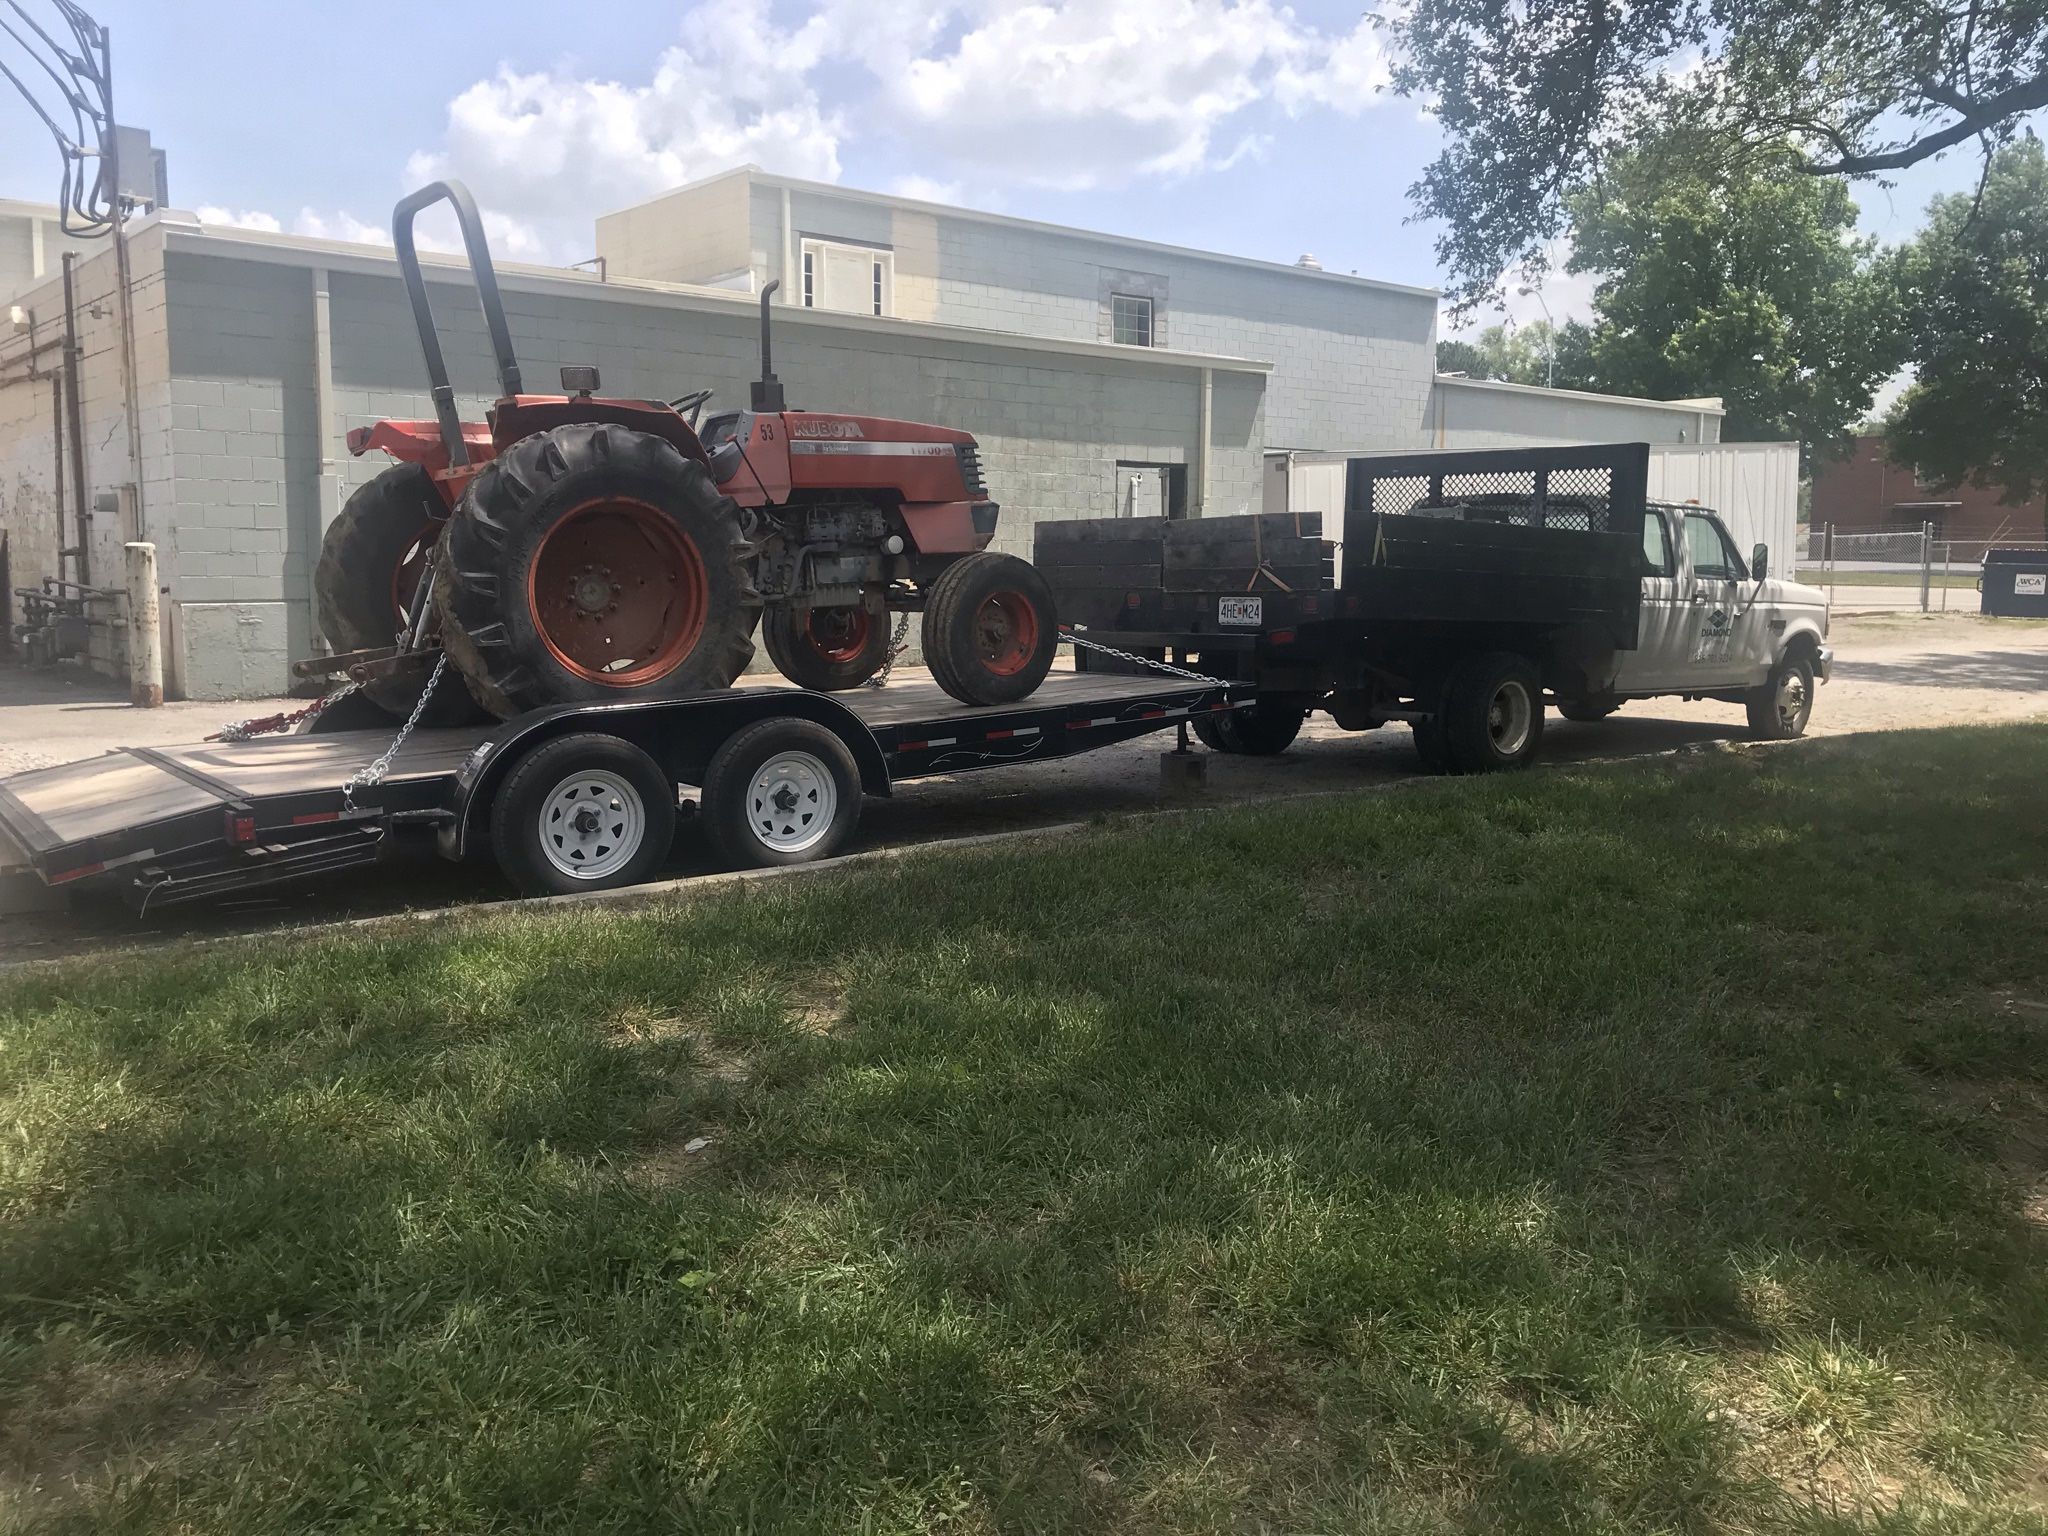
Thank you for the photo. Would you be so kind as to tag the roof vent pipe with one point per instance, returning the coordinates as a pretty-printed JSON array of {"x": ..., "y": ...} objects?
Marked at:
[{"x": 1310, "y": 262}]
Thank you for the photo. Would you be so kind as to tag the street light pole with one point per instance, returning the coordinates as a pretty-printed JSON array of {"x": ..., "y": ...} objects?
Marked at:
[{"x": 1549, "y": 336}]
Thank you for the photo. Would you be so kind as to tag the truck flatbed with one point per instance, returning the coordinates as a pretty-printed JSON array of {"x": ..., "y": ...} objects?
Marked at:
[{"x": 169, "y": 824}]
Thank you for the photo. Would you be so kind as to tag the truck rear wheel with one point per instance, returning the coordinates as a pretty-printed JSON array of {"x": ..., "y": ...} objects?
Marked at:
[
  {"x": 826, "y": 649},
  {"x": 1492, "y": 714},
  {"x": 780, "y": 791},
  {"x": 1264, "y": 729},
  {"x": 590, "y": 561},
  {"x": 1779, "y": 710},
  {"x": 587, "y": 812},
  {"x": 989, "y": 629}
]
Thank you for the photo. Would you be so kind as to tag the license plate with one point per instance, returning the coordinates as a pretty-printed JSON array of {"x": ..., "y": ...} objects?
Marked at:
[{"x": 1244, "y": 612}]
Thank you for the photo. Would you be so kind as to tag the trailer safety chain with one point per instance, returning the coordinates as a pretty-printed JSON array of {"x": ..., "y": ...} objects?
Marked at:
[
  {"x": 264, "y": 725},
  {"x": 1068, "y": 637},
  {"x": 372, "y": 774},
  {"x": 897, "y": 646}
]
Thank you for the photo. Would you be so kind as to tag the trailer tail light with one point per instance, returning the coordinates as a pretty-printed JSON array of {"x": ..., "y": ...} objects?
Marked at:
[
  {"x": 241, "y": 827},
  {"x": 1281, "y": 637}
]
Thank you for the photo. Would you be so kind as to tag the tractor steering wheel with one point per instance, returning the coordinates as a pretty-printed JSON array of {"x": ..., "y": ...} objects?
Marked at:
[{"x": 690, "y": 404}]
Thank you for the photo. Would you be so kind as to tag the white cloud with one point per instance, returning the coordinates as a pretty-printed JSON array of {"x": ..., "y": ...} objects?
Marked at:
[
  {"x": 928, "y": 189},
  {"x": 1565, "y": 295},
  {"x": 339, "y": 226},
  {"x": 239, "y": 219}
]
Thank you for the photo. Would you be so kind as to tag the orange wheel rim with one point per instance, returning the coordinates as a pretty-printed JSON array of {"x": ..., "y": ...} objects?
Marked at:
[
  {"x": 837, "y": 634},
  {"x": 618, "y": 593},
  {"x": 1005, "y": 632}
]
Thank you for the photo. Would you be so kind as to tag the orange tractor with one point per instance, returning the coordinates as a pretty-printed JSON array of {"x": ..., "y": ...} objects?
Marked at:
[{"x": 574, "y": 548}]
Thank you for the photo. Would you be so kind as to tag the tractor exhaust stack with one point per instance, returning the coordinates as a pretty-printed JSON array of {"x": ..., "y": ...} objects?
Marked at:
[{"x": 768, "y": 388}]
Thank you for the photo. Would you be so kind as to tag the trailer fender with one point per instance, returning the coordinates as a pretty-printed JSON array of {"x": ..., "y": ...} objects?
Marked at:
[{"x": 680, "y": 734}]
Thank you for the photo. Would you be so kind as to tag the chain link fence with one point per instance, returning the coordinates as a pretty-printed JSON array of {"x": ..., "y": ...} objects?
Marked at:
[{"x": 1911, "y": 570}]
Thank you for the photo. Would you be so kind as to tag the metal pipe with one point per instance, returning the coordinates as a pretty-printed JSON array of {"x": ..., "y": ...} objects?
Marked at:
[
  {"x": 1208, "y": 420},
  {"x": 81, "y": 555},
  {"x": 327, "y": 505},
  {"x": 57, "y": 453},
  {"x": 145, "y": 634}
]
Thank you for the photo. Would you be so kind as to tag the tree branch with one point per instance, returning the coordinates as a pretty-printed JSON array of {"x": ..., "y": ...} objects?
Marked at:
[{"x": 1982, "y": 115}]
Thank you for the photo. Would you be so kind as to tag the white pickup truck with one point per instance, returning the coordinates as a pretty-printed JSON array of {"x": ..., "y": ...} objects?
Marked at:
[{"x": 1717, "y": 627}]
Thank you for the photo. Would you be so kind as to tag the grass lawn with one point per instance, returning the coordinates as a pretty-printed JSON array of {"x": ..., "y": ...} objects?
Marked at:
[{"x": 1654, "y": 1147}]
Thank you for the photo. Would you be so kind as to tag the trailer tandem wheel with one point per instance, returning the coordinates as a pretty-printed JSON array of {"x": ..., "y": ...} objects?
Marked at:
[
  {"x": 780, "y": 791},
  {"x": 587, "y": 812}
]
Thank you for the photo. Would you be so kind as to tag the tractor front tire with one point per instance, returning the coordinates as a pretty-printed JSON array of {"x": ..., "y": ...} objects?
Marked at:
[
  {"x": 827, "y": 650},
  {"x": 368, "y": 578},
  {"x": 990, "y": 631},
  {"x": 590, "y": 563}
]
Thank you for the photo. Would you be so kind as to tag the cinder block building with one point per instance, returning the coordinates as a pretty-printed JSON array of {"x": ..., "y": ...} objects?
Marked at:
[{"x": 1101, "y": 375}]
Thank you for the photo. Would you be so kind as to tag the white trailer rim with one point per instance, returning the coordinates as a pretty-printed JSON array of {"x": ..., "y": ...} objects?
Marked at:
[
  {"x": 792, "y": 802},
  {"x": 592, "y": 824}
]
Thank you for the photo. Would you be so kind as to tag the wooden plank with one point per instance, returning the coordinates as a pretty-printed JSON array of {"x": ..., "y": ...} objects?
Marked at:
[
  {"x": 1096, "y": 530},
  {"x": 1075, "y": 576}
]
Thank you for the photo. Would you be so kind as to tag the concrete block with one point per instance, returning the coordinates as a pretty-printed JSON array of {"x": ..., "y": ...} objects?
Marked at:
[{"x": 234, "y": 649}]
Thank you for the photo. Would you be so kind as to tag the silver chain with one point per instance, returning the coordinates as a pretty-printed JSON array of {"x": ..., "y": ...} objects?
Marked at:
[
  {"x": 1067, "y": 636},
  {"x": 897, "y": 646},
  {"x": 372, "y": 773}
]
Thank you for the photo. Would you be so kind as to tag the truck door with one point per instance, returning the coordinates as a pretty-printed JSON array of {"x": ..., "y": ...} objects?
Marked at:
[
  {"x": 1658, "y": 659},
  {"x": 1720, "y": 650}
]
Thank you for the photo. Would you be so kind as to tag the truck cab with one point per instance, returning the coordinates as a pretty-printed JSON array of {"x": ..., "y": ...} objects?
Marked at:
[{"x": 1717, "y": 625}]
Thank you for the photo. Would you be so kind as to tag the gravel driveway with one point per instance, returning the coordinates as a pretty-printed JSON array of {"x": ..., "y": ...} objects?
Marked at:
[{"x": 1891, "y": 671}]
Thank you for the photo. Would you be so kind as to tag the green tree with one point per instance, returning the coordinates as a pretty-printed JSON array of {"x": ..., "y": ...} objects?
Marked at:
[
  {"x": 1976, "y": 298},
  {"x": 1515, "y": 355},
  {"x": 1535, "y": 98},
  {"x": 1751, "y": 287}
]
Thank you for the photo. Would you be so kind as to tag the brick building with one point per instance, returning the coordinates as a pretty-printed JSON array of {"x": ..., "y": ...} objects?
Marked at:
[
  {"x": 1867, "y": 493},
  {"x": 1100, "y": 374}
]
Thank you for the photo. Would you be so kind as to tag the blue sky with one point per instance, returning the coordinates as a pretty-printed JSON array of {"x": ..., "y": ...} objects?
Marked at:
[{"x": 1233, "y": 125}]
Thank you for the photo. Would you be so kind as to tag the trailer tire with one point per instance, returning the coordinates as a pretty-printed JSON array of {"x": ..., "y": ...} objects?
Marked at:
[
  {"x": 587, "y": 812},
  {"x": 1264, "y": 729},
  {"x": 990, "y": 630},
  {"x": 1492, "y": 713},
  {"x": 528, "y": 624},
  {"x": 780, "y": 791},
  {"x": 827, "y": 650},
  {"x": 1779, "y": 710}
]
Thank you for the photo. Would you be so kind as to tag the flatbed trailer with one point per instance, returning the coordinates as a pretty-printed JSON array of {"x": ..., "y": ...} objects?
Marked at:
[{"x": 573, "y": 798}]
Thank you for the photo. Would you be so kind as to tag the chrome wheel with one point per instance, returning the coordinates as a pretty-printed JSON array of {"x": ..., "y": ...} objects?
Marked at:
[
  {"x": 792, "y": 802},
  {"x": 592, "y": 824},
  {"x": 1508, "y": 718},
  {"x": 1794, "y": 701}
]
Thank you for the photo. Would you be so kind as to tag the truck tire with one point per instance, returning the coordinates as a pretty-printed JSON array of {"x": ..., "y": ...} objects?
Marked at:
[
  {"x": 1264, "y": 729},
  {"x": 826, "y": 649},
  {"x": 1492, "y": 714},
  {"x": 1587, "y": 710},
  {"x": 1780, "y": 708},
  {"x": 592, "y": 562},
  {"x": 989, "y": 629},
  {"x": 367, "y": 579},
  {"x": 587, "y": 812},
  {"x": 780, "y": 791}
]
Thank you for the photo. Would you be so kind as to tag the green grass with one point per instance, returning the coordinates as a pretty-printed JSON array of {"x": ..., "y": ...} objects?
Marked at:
[{"x": 1655, "y": 1147}]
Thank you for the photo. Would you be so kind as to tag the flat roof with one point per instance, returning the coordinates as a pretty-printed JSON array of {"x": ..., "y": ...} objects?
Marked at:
[
  {"x": 1072, "y": 232},
  {"x": 183, "y": 235},
  {"x": 1710, "y": 405}
]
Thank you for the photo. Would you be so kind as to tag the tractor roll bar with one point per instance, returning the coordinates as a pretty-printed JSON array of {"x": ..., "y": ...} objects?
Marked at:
[{"x": 456, "y": 195}]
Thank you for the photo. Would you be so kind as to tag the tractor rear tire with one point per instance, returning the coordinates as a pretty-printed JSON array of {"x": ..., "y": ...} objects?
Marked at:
[
  {"x": 592, "y": 563},
  {"x": 827, "y": 650},
  {"x": 368, "y": 577},
  {"x": 990, "y": 630}
]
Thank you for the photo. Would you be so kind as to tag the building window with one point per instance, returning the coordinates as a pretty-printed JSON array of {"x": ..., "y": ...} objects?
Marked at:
[
  {"x": 853, "y": 279},
  {"x": 1130, "y": 320}
]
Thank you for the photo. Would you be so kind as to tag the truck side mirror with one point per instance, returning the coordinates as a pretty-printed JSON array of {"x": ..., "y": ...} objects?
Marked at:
[{"x": 1760, "y": 561}]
